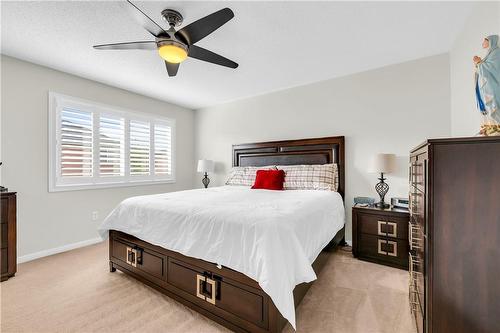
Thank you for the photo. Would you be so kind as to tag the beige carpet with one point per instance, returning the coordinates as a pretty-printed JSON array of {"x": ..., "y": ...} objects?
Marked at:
[{"x": 74, "y": 292}]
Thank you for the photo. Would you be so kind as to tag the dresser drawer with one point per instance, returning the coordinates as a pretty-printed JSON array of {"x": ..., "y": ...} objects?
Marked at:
[
  {"x": 385, "y": 249},
  {"x": 4, "y": 210},
  {"x": 139, "y": 259},
  {"x": 416, "y": 237},
  {"x": 5, "y": 261},
  {"x": 417, "y": 310},
  {"x": 386, "y": 226},
  {"x": 417, "y": 207},
  {"x": 218, "y": 291},
  {"x": 417, "y": 281},
  {"x": 5, "y": 234},
  {"x": 418, "y": 172}
]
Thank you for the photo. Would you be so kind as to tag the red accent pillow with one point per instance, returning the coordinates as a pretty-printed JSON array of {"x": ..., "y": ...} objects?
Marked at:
[{"x": 269, "y": 180}]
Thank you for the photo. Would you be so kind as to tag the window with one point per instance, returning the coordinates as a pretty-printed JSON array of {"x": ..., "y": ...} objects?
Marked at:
[
  {"x": 140, "y": 147},
  {"x": 94, "y": 146},
  {"x": 111, "y": 145}
]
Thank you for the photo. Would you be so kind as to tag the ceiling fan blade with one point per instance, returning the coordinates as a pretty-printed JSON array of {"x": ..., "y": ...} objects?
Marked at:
[
  {"x": 145, "y": 21},
  {"x": 204, "y": 26},
  {"x": 172, "y": 68},
  {"x": 206, "y": 55},
  {"x": 143, "y": 45}
]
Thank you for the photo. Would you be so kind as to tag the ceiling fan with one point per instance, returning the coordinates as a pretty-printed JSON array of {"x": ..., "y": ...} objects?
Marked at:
[{"x": 175, "y": 46}]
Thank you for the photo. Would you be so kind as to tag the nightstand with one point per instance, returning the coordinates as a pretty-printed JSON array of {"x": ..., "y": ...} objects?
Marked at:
[{"x": 381, "y": 235}]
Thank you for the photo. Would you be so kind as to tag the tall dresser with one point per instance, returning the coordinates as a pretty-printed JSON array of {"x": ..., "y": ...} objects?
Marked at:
[
  {"x": 454, "y": 235},
  {"x": 8, "y": 259}
]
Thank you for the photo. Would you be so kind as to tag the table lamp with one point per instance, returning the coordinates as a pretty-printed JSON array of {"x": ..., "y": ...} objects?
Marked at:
[
  {"x": 383, "y": 163},
  {"x": 205, "y": 166}
]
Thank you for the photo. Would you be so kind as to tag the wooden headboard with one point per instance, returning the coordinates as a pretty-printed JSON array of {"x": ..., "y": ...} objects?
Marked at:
[{"x": 294, "y": 152}]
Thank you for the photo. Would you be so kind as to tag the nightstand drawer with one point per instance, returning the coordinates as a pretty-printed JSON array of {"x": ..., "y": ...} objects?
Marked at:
[
  {"x": 385, "y": 249},
  {"x": 386, "y": 226}
]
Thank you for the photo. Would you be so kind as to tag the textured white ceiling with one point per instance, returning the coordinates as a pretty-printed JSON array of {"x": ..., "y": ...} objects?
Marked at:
[{"x": 277, "y": 44}]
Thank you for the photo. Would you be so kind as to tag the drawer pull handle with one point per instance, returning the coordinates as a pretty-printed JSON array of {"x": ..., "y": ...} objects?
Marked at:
[
  {"x": 394, "y": 252},
  {"x": 200, "y": 281},
  {"x": 410, "y": 258},
  {"x": 415, "y": 242},
  {"x": 211, "y": 299},
  {"x": 380, "y": 242},
  {"x": 394, "y": 226},
  {"x": 131, "y": 256},
  {"x": 410, "y": 233},
  {"x": 381, "y": 231},
  {"x": 380, "y": 224}
]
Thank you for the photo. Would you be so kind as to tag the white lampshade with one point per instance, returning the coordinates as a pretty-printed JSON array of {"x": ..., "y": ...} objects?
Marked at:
[
  {"x": 205, "y": 166},
  {"x": 385, "y": 163}
]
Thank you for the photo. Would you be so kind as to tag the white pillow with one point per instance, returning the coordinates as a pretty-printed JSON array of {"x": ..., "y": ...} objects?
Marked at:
[
  {"x": 245, "y": 176},
  {"x": 311, "y": 177}
]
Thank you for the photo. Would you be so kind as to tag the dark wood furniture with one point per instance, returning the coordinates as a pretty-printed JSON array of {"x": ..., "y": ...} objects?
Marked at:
[
  {"x": 380, "y": 235},
  {"x": 8, "y": 236},
  {"x": 222, "y": 294},
  {"x": 455, "y": 235}
]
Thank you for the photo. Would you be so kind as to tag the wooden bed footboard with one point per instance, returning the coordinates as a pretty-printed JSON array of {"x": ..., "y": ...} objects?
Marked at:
[{"x": 226, "y": 296}]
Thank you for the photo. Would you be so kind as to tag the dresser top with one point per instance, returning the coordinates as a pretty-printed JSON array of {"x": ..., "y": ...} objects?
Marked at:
[{"x": 457, "y": 140}]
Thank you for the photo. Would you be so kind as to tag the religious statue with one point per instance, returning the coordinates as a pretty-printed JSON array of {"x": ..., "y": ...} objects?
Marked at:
[{"x": 487, "y": 86}]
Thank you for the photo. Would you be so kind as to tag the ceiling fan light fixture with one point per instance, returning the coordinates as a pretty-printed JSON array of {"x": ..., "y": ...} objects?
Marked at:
[
  {"x": 172, "y": 45},
  {"x": 173, "y": 52}
]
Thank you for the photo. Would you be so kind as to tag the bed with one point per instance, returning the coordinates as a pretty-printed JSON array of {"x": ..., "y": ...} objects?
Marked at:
[{"x": 244, "y": 258}]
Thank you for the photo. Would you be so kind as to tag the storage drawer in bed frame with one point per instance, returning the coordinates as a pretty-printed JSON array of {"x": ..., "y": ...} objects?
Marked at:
[{"x": 222, "y": 294}]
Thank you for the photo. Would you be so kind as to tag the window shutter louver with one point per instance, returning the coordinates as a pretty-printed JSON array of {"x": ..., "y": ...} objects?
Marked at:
[
  {"x": 75, "y": 142},
  {"x": 163, "y": 149},
  {"x": 139, "y": 147},
  {"x": 111, "y": 145}
]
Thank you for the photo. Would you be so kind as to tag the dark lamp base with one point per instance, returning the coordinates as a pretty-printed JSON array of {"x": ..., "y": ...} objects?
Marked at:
[
  {"x": 382, "y": 188},
  {"x": 382, "y": 205},
  {"x": 205, "y": 181}
]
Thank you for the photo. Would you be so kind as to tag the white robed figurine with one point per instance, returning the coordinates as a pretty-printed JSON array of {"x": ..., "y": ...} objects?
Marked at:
[{"x": 487, "y": 86}]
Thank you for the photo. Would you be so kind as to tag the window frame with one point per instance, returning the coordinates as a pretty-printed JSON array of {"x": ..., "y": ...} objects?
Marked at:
[{"x": 57, "y": 183}]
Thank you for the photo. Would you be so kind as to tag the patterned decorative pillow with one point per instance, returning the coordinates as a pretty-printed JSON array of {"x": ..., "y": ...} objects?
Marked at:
[
  {"x": 311, "y": 177},
  {"x": 245, "y": 176}
]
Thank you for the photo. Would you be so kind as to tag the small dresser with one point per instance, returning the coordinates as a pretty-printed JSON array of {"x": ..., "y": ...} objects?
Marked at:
[
  {"x": 8, "y": 243},
  {"x": 380, "y": 235}
]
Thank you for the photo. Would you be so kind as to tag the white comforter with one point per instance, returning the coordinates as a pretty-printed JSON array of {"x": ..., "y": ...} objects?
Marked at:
[{"x": 271, "y": 236}]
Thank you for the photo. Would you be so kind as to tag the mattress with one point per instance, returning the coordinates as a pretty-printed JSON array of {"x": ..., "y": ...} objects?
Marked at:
[{"x": 272, "y": 237}]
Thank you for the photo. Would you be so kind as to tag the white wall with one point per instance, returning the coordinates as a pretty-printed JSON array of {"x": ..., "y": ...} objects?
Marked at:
[
  {"x": 51, "y": 220},
  {"x": 483, "y": 21},
  {"x": 391, "y": 109}
]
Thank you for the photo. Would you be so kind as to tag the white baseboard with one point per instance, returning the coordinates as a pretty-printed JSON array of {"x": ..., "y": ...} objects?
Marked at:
[{"x": 64, "y": 248}]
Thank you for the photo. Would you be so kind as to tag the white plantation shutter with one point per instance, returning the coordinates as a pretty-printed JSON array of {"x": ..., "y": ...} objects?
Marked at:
[
  {"x": 76, "y": 143},
  {"x": 139, "y": 147},
  {"x": 94, "y": 146},
  {"x": 163, "y": 149},
  {"x": 111, "y": 146}
]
